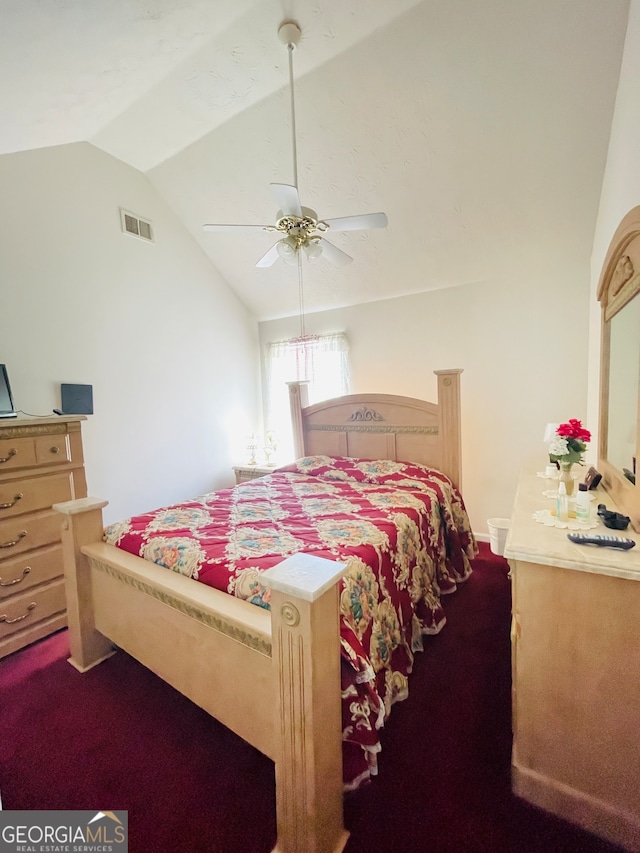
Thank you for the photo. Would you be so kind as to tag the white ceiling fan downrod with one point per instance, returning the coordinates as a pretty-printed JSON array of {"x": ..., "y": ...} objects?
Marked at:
[{"x": 289, "y": 34}]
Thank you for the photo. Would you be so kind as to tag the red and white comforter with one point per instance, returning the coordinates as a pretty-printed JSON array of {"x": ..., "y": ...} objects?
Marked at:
[{"x": 402, "y": 530}]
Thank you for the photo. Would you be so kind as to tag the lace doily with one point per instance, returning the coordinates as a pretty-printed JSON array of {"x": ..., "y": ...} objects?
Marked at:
[
  {"x": 556, "y": 476},
  {"x": 553, "y": 493},
  {"x": 544, "y": 516}
]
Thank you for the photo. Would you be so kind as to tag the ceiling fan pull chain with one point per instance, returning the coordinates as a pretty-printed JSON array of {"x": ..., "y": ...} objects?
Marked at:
[{"x": 301, "y": 296}]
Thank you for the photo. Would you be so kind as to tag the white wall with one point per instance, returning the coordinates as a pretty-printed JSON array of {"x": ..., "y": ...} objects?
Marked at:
[
  {"x": 522, "y": 342},
  {"x": 621, "y": 184},
  {"x": 171, "y": 353},
  {"x": 520, "y": 323}
]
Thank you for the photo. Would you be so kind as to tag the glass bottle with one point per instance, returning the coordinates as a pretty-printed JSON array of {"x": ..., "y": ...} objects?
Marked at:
[{"x": 562, "y": 503}]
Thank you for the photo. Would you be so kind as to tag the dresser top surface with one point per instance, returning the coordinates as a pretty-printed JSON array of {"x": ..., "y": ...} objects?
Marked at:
[
  {"x": 534, "y": 542},
  {"x": 6, "y": 423}
]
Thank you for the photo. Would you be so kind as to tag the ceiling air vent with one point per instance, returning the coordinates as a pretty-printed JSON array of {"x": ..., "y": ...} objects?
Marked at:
[{"x": 132, "y": 224}]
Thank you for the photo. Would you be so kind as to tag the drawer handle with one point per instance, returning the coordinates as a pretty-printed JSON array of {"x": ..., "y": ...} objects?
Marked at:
[
  {"x": 13, "y": 502},
  {"x": 10, "y": 454},
  {"x": 25, "y": 572},
  {"x": 54, "y": 449},
  {"x": 5, "y": 618},
  {"x": 20, "y": 536}
]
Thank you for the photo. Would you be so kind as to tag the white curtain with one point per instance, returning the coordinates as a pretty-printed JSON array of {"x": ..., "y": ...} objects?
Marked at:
[{"x": 323, "y": 360}]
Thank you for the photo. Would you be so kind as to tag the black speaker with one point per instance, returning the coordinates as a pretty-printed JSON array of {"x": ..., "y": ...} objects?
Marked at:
[{"x": 76, "y": 399}]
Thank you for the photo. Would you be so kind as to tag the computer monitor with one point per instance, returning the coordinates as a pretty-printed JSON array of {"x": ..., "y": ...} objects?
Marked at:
[{"x": 7, "y": 409}]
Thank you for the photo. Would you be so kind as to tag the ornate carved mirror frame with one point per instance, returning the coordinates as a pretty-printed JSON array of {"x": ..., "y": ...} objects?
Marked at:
[{"x": 619, "y": 285}]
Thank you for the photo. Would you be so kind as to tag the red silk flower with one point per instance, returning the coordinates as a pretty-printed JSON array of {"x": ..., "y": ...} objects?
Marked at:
[{"x": 574, "y": 429}]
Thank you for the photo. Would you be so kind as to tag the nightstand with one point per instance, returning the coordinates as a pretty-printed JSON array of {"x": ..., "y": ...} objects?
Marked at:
[{"x": 250, "y": 472}]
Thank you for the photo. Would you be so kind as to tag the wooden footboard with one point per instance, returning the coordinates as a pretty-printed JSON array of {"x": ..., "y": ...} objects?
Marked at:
[{"x": 271, "y": 677}]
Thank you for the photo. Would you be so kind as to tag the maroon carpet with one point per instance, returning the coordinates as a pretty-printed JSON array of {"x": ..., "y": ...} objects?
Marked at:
[{"x": 119, "y": 738}]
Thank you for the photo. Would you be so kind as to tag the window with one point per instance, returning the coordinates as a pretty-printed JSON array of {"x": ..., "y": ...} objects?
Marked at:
[{"x": 323, "y": 360}]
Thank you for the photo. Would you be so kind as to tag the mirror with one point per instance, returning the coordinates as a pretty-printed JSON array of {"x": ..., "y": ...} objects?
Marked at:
[
  {"x": 624, "y": 386},
  {"x": 619, "y": 295}
]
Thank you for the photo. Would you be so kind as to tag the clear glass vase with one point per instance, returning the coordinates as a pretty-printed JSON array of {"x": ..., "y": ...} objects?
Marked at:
[{"x": 565, "y": 476}]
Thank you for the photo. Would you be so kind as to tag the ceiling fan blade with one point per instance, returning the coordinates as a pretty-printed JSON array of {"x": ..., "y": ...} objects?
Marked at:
[
  {"x": 358, "y": 223},
  {"x": 209, "y": 227},
  {"x": 287, "y": 199},
  {"x": 334, "y": 254},
  {"x": 269, "y": 257}
]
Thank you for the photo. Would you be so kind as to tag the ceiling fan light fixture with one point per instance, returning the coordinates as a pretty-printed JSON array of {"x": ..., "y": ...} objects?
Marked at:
[
  {"x": 313, "y": 250},
  {"x": 287, "y": 250}
]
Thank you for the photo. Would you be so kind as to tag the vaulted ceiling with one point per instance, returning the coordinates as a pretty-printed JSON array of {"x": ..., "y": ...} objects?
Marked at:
[{"x": 473, "y": 125}]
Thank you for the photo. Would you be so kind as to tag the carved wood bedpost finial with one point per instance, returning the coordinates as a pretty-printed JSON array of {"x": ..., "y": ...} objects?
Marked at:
[
  {"x": 449, "y": 423},
  {"x": 298, "y": 400},
  {"x": 82, "y": 525}
]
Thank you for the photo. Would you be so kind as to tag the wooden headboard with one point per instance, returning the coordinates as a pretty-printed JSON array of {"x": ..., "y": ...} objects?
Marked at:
[{"x": 383, "y": 426}]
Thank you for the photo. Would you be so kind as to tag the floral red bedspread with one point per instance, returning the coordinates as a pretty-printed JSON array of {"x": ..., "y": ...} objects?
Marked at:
[{"x": 402, "y": 530}]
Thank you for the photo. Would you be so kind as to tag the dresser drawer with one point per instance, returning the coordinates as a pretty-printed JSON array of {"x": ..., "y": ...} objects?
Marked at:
[
  {"x": 30, "y": 531},
  {"x": 17, "y": 453},
  {"x": 28, "y": 608},
  {"x": 34, "y": 451},
  {"x": 21, "y": 496},
  {"x": 21, "y": 573},
  {"x": 52, "y": 449}
]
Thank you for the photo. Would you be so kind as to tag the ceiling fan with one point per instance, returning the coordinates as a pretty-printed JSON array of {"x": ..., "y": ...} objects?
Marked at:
[{"x": 301, "y": 228}]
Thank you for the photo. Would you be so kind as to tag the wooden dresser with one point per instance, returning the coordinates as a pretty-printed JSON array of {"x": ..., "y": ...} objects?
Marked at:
[
  {"x": 41, "y": 463},
  {"x": 576, "y": 671}
]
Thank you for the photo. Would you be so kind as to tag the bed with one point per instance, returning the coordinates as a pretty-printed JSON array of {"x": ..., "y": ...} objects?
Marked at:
[{"x": 273, "y": 673}]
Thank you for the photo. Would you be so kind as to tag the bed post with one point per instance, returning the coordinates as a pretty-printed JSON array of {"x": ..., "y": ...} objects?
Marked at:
[
  {"x": 82, "y": 525},
  {"x": 305, "y": 636},
  {"x": 298, "y": 400},
  {"x": 449, "y": 423}
]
